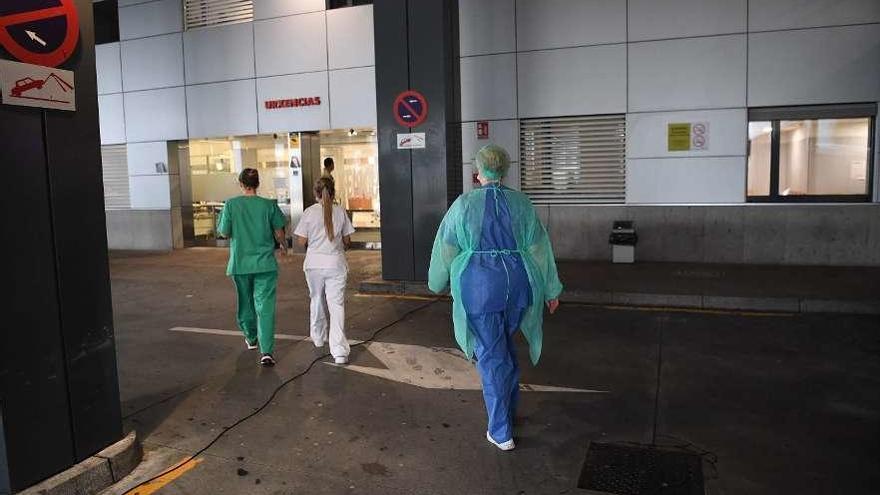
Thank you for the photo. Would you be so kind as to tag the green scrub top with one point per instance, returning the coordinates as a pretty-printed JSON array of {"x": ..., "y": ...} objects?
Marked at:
[{"x": 249, "y": 222}]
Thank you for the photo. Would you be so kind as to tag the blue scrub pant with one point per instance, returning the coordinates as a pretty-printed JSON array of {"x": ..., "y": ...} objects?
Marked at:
[{"x": 499, "y": 370}]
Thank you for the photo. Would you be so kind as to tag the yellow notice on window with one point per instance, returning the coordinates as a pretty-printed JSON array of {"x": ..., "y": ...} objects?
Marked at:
[{"x": 678, "y": 137}]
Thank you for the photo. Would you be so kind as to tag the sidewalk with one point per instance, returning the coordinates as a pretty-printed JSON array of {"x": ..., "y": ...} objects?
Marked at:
[{"x": 798, "y": 289}]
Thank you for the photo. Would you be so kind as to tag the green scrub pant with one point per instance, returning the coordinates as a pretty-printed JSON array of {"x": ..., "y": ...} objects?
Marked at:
[{"x": 256, "y": 307}]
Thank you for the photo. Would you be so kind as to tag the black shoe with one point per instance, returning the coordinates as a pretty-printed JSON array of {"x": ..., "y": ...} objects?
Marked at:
[{"x": 267, "y": 360}]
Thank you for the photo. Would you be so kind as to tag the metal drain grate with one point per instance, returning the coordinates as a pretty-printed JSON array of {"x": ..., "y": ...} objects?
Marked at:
[{"x": 641, "y": 470}]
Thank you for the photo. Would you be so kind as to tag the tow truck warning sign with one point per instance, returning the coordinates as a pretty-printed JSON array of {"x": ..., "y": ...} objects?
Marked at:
[
  {"x": 41, "y": 32},
  {"x": 37, "y": 86}
]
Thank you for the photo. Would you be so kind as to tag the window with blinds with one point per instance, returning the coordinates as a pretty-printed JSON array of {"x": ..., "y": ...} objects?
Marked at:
[
  {"x": 114, "y": 163},
  {"x": 574, "y": 160},
  {"x": 204, "y": 13}
]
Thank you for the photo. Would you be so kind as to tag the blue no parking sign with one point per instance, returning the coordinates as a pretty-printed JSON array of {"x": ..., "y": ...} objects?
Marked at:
[{"x": 410, "y": 108}]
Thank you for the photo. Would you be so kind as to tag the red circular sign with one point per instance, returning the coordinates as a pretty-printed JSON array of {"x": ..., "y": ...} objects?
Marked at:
[
  {"x": 410, "y": 108},
  {"x": 45, "y": 36}
]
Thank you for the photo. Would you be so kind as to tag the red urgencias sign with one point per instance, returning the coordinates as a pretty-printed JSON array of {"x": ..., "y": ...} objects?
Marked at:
[{"x": 293, "y": 102}]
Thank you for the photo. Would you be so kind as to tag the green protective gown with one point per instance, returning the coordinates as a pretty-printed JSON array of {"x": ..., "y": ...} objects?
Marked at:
[{"x": 457, "y": 239}]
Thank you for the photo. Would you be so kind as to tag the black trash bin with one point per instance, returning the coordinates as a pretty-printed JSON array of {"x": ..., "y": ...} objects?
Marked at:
[{"x": 623, "y": 241}]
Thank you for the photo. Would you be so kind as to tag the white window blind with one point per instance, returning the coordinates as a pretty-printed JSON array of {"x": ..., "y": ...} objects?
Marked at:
[
  {"x": 574, "y": 160},
  {"x": 114, "y": 162},
  {"x": 203, "y": 13}
]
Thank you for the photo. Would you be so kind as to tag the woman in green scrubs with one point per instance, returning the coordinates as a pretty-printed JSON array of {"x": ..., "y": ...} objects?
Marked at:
[{"x": 250, "y": 221}]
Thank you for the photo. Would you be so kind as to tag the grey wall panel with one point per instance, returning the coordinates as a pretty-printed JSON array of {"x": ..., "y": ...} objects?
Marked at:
[
  {"x": 150, "y": 19},
  {"x": 350, "y": 37},
  {"x": 395, "y": 171},
  {"x": 264, "y": 9},
  {"x": 487, "y": 26},
  {"x": 815, "y": 66},
  {"x": 697, "y": 73},
  {"x": 767, "y": 15},
  {"x": 291, "y": 45},
  {"x": 310, "y": 118},
  {"x": 572, "y": 81},
  {"x": 542, "y": 24},
  {"x": 352, "y": 98},
  {"x": 222, "y": 109},
  {"x": 155, "y": 115},
  {"x": 653, "y": 20},
  {"x": 686, "y": 180},
  {"x": 139, "y": 230},
  {"x": 488, "y": 87},
  {"x": 109, "y": 68},
  {"x": 221, "y": 53},
  {"x": 646, "y": 133},
  {"x": 151, "y": 63},
  {"x": 112, "y": 118}
]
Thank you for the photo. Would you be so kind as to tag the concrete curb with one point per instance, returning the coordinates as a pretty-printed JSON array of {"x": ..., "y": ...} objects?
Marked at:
[
  {"x": 686, "y": 301},
  {"x": 95, "y": 473}
]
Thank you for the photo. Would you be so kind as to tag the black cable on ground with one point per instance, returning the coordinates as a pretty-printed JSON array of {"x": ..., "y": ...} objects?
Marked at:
[{"x": 268, "y": 401}]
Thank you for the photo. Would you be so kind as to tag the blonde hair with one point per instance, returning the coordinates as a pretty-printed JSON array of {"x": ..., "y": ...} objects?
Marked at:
[
  {"x": 325, "y": 192},
  {"x": 492, "y": 162}
]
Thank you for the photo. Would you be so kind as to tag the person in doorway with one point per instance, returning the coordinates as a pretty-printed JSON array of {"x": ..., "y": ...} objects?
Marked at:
[
  {"x": 329, "y": 166},
  {"x": 250, "y": 221},
  {"x": 496, "y": 256},
  {"x": 326, "y": 231}
]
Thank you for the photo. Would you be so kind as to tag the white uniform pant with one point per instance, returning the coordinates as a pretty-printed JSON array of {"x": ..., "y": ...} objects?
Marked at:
[{"x": 327, "y": 312}]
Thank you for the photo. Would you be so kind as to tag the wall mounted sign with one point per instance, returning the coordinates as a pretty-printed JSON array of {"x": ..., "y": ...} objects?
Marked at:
[
  {"x": 411, "y": 141},
  {"x": 687, "y": 136},
  {"x": 410, "y": 108},
  {"x": 483, "y": 129},
  {"x": 41, "y": 32},
  {"x": 37, "y": 86},
  {"x": 292, "y": 103}
]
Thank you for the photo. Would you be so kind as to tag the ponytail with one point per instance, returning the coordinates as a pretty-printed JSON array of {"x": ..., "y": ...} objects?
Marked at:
[{"x": 325, "y": 190}]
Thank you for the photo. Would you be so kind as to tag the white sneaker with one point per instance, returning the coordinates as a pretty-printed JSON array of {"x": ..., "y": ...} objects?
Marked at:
[
  {"x": 341, "y": 360},
  {"x": 250, "y": 345},
  {"x": 508, "y": 445},
  {"x": 318, "y": 343}
]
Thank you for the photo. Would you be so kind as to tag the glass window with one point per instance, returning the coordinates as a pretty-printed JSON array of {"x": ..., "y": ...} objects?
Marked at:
[
  {"x": 338, "y": 4},
  {"x": 797, "y": 158}
]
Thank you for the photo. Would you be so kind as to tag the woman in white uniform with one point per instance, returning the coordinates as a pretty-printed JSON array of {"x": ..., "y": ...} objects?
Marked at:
[{"x": 326, "y": 229}]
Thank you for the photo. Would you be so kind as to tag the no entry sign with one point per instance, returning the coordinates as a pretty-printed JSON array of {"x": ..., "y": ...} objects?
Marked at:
[
  {"x": 410, "y": 108},
  {"x": 41, "y": 32}
]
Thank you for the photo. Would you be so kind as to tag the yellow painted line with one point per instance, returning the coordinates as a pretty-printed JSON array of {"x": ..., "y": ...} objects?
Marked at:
[{"x": 161, "y": 481}]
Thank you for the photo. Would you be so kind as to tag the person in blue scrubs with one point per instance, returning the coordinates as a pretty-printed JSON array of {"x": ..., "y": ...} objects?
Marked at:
[{"x": 495, "y": 253}]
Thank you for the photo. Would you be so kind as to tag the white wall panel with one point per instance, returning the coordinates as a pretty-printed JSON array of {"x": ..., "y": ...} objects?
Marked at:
[
  {"x": 222, "y": 109},
  {"x": 150, "y": 192},
  {"x": 350, "y": 37},
  {"x": 111, "y": 119},
  {"x": 291, "y": 45},
  {"x": 150, "y": 63},
  {"x": 488, "y": 87},
  {"x": 312, "y": 118},
  {"x": 504, "y": 133},
  {"x": 352, "y": 98},
  {"x": 694, "y": 73},
  {"x": 572, "y": 81},
  {"x": 265, "y": 9},
  {"x": 544, "y": 24},
  {"x": 686, "y": 180},
  {"x": 156, "y": 115},
  {"x": 150, "y": 19},
  {"x": 767, "y": 15},
  {"x": 108, "y": 66},
  {"x": 220, "y": 53},
  {"x": 486, "y": 27},
  {"x": 143, "y": 157},
  {"x": 646, "y": 133},
  {"x": 830, "y": 65},
  {"x": 653, "y": 20}
]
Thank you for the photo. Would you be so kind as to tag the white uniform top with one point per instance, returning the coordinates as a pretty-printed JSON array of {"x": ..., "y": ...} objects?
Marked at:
[{"x": 322, "y": 252}]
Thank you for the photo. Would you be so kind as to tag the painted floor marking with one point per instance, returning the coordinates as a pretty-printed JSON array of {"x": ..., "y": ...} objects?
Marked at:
[
  {"x": 421, "y": 366},
  {"x": 236, "y": 333},
  {"x": 161, "y": 481}
]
